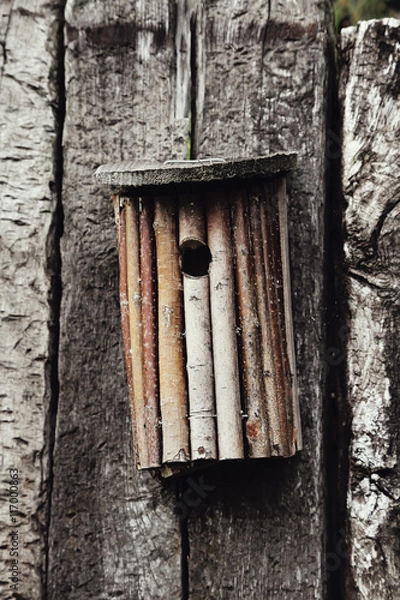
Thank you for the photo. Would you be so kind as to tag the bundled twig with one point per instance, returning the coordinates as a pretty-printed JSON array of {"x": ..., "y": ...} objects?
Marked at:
[
  {"x": 175, "y": 434},
  {"x": 225, "y": 351},
  {"x": 196, "y": 290},
  {"x": 149, "y": 336},
  {"x": 255, "y": 401}
]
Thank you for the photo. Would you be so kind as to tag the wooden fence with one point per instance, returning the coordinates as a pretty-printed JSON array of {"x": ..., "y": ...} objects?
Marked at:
[{"x": 84, "y": 82}]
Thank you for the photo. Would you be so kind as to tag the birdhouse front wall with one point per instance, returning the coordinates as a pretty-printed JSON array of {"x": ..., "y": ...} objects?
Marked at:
[{"x": 206, "y": 313}]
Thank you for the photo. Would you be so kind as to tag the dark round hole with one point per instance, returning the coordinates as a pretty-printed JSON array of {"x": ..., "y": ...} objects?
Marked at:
[{"x": 195, "y": 258}]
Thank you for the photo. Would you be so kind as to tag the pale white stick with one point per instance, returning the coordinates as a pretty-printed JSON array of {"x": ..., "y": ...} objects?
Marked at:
[
  {"x": 199, "y": 367},
  {"x": 200, "y": 372},
  {"x": 222, "y": 296}
]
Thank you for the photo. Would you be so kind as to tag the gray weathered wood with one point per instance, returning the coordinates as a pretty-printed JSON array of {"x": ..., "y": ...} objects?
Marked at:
[
  {"x": 28, "y": 135},
  {"x": 142, "y": 175},
  {"x": 370, "y": 86},
  {"x": 113, "y": 531},
  {"x": 261, "y": 88}
]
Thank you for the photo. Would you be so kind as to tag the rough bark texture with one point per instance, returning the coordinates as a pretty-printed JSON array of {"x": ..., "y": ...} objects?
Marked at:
[
  {"x": 370, "y": 86},
  {"x": 113, "y": 531},
  {"x": 28, "y": 263},
  {"x": 260, "y": 88}
]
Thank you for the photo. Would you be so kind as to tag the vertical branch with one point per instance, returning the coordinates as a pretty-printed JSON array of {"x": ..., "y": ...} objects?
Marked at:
[
  {"x": 296, "y": 440},
  {"x": 199, "y": 367},
  {"x": 268, "y": 358},
  {"x": 135, "y": 326},
  {"x": 196, "y": 292},
  {"x": 226, "y": 368},
  {"x": 170, "y": 324},
  {"x": 149, "y": 335},
  {"x": 251, "y": 351},
  {"x": 120, "y": 218},
  {"x": 273, "y": 275}
]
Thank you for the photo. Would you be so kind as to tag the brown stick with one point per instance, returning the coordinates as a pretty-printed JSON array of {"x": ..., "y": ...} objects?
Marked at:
[
  {"x": 251, "y": 351},
  {"x": 120, "y": 218},
  {"x": 271, "y": 252},
  {"x": 268, "y": 359},
  {"x": 226, "y": 369},
  {"x": 150, "y": 376},
  {"x": 296, "y": 434},
  {"x": 135, "y": 325},
  {"x": 196, "y": 292},
  {"x": 170, "y": 325}
]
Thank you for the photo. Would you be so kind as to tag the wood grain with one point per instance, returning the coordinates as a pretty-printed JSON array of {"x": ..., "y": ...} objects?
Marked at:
[{"x": 371, "y": 130}]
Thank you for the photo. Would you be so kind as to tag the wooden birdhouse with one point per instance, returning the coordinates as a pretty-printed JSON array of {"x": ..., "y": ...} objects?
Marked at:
[{"x": 206, "y": 309}]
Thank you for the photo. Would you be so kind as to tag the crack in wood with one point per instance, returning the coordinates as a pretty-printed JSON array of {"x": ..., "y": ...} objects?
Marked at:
[{"x": 54, "y": 266}]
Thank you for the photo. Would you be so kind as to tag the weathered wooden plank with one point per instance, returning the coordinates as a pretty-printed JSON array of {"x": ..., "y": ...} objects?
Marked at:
[
  {"x": 29, "y": 38},
  {"x": 261, "y": 88},
  {"x": 370, "y": 99},
  {"x": 113, "y": 531}
]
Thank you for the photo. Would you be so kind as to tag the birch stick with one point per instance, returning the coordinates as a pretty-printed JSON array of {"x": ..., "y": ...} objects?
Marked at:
[
  {"x": 170, "y": 343},
  {"x": 226, "y": 368},
  {"x": 271, "y": 261},
  {"x": 200, "y": 373},
  {"x": 135, "y": 325},
  {"x": 149, "y": 337},
  {"x": 296, "y": 438},
  {"x": 120, "y": 218},
  {"x": 191, "y": 221},
  {"x": 251, "y": 352},
  {"x": 269, "y": 375}
]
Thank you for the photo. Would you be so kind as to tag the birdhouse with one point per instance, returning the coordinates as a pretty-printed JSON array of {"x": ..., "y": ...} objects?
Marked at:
[{"x": 206, "y": 309}]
